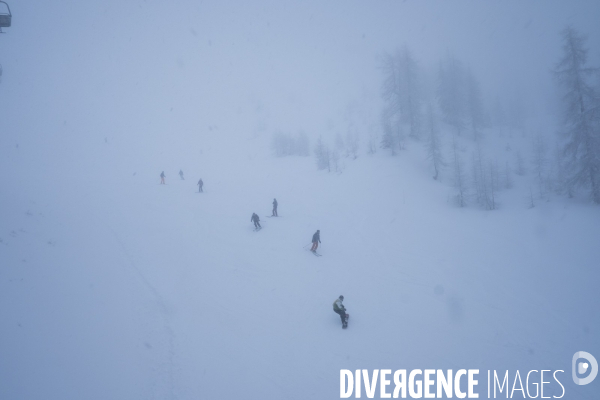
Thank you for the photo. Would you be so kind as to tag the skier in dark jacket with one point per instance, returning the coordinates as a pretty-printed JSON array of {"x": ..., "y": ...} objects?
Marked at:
[
  {"x": 275, "y": 208},
  {"x": 162, "y": 178},
  {"x": 181, "y": 174},
  {"x": 339, "y": 308},
  {"x": 316, "y": 239},
  {"x": 256, "y": 220},
  {"x": 200, "y": 184}
]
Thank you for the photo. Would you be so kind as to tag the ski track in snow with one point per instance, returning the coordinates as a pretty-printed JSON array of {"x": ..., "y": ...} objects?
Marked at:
[{"x": 162, "y": 309}]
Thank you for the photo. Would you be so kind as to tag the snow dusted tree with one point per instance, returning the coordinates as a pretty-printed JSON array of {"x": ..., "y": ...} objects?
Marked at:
[
  {"x": 339, "y": 143},
  {"x": 558, "y": 171},
  {"x": 388, "y": 139},
  {"x": 323, "y": 155},
  {"x": 460, "y": 184},
  {"x": 286, "y": 145},
  {"x": 451, "y": 93},
  {"x": 411, "y": 99},
  {"x": 494, "y": 184},
  {"x": 401, "y": 89},
  {"x": 540, "y": 162},
  {"x": 302, "y": 144},
  {"x": 517, "y": 113},
  {"x": 373, "y": 139},
  {"x": 474, "y": 104},
  {"x": 393, "y": 134},
  {"x": 499, "y": 117},
  {"x": 508, "y": 181},
  {"x": 520, "y": 169},
  {"x": 352, "y": 142},
  {"x": 478, "y": 178},
  {"x": 581, "y": 115},
  {"x": 434, "y": 146},
  {"x": 485, "y": 180},
  {"x": 335, "y": 161},
  {"x": 283, "y": 144}
]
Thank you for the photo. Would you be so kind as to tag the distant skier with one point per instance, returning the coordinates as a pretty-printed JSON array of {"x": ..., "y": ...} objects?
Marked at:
[
  {"x": 275, "y": 208},
  {"x": 316, "y": 239},
  {"x": 256, "y": 221},
  {"x": 200, "y": 184},
  {"x": 162, "y": 178},
  {"x": 339, "y": 308},
  {"x": 181, "y": 174}
]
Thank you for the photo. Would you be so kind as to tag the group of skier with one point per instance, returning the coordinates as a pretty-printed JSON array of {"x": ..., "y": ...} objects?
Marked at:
[
  {"x": 338, "y": 306},
  {"x": 256, "y": 219},
  {"x": 200, "y": 184}
]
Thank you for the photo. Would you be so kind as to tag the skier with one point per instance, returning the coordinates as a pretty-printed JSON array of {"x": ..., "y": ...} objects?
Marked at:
[
  {"x": 162, "y": 178},
  {"x": 181, "y": 174},
  {"x": 200, "y": 184},
  {"x": 316, "y": 239},
  {"x": 339, "y": 308},
  {"x": 275, "y": 208},
  {"x": 256, "y": 221}
]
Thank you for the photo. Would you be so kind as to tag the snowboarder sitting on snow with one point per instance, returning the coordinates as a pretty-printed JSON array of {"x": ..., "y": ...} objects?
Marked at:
[
  {"x": 162, "y": 178},
  {"x": 256, "y": 220},
  {"x": 275, "y": 208},
  {"x": 316, "y": 240},
  {"x": 200, "y": 184},
  {"x": 339, "y": 308},
  {"x": 181, "y": 174}
]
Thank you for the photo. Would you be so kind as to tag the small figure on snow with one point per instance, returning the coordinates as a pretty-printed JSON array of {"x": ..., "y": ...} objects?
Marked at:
[
  {"x": 162, "y": 178},
  {"x": 339, "y": 308},
  {"x": 256, "y": 221},
  {"x": 275, "y": 208},
  {"x": 181, "y": 175},
  {"x": 200, "y": 184},
  {"x": 316, "y": 239}
]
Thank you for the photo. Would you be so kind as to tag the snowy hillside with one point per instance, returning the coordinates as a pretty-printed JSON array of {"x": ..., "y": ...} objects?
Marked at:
[
  {"x": 131, "y": 289},
  {"x": 113, "y": 286}
]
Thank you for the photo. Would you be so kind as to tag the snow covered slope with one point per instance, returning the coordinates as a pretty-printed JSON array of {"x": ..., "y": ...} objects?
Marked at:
[{"x": 113, "y": 286}]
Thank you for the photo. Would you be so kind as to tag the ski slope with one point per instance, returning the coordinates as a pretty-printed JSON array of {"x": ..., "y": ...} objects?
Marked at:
[{"x": 113, "y": 286}]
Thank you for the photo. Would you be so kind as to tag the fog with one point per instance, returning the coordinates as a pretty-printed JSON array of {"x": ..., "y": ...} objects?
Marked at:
[
  {"x": 134, "y": 68},
  {"x": 115, "y": 286}
]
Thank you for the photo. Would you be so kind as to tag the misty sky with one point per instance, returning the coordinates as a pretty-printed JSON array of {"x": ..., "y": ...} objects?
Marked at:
[
  {"x": 123, "y": 68},
  {"x": 98, "y": 97}
]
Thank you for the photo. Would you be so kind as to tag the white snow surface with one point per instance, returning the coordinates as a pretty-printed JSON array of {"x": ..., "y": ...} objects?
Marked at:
[{"x": 113, "y": 286}]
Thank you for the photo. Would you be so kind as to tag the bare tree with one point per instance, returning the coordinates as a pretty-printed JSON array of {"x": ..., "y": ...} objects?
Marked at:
[
  {"x": 335, "y": 161},
  {"x": 517, "y": 113},
  {"x": 460, "y": 184},
  {"x": 372, "y": 144},
  {"x": 434, "y": 146},
  {"x": 323, "y": 155},
  {"x": 485, "y": 180},
  {"x": 352, "y": 143},
  {"x": 451, "y": 93},
  {"x": 494, "y": 185},
  {"x": 499, "y": 117},
  {"x": 508, "y": 181},
  {"x": 401, "y": 89},
  {"x": 474, "y": 105},
  {"x": 520, "y": 169},
  {"x": 302, "y": 144},
  {"x": 286, "y": 145},
  {"x": 393, "y": 135}
]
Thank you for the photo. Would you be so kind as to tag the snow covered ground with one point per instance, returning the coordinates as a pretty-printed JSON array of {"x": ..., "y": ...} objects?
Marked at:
[{"x": 113, "y": 286}]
